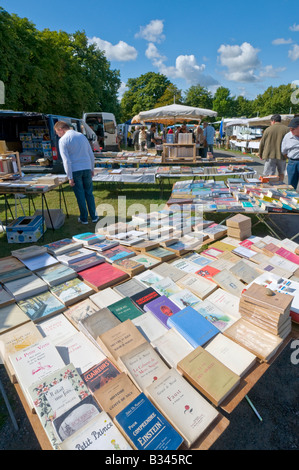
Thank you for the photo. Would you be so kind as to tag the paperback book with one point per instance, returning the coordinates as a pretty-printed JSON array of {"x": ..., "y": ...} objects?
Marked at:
[
  {"x": 60, "y": 247},
  {"x": 100, "y": 374},
  {"x": 172, "y": 347},
  {"x": 57, "y": 328},
  {"x": 98, "y": 323},
  {"x": 125, "y": 309},
  {"x": 26, "y": 287},
  {"x": 149, "y": 326},
  {"x": 79, "y": 311},
  {"x": 102, "y": 276},
  {"x": 41, "y": 306},
  {"x": 144, "y": 297},
  {"x": 72, "y": 291},
  {"x": 56, "y": 274},
  {"x": 162, "y": 308}
]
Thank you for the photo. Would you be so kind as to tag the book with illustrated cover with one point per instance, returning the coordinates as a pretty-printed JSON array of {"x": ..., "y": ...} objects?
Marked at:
[
  {"x": 208, "y": 375},
  {"x": 162, "y": 308},
  {"x": 80, "y": 311},
  {"x": 148, "y": 278},
  {"x": 187, "y": 411},
  {"x": 120, "y": 340},
  {"x": 104, "y": 245},
  {"x": 185, "y": 298},
  {"x": 12, "y": 268},
  {"x": 102, "y": 276},
  {"x": 125, "y": 309},
  {"x": 26, "y": 287},
  {"x": 146, "y": 428},
  {"x": 214, "y": 315},
  {"x": 207, "y": 272},
  {"x": 98, "y": 323},
  {"x": 57, "y": 328},
  {"x": 185, "y": 265},
  {"x": 54, "y": 394},
  {"x": 74, "y": 256},
  {"x": 41, "y": 306},
  {"x": 231, "y": 354},
  {"x": 116, "y": 394},
  {"x": 172, "y": 347},
  {"x": 117, "y": 252},
  {"x": 196, "y": 329},
  {"x": 161, "y": 254},
  {"x": 166, "y": 287},
  {"x": 129, "y": 266},
  {"x": 76, "y": 417},
  {"x": 12, "y": 341},
  {"x": 34, "y": 363},
  {"x": 143, "y": 365},
  {"x": 100, "y": 374},
  {"x": 149, "y": 326},
  {"x": 144, "y": 297},
  {"x": 72, "y": 291},
  {"x": 197, "y": 285},
  {"x": 56, "y": 274},
  {"x": 99, "y": 434},
  {"x": 60, "y": 247},
  {"x": 88, "y": 238},
  {"x": 86, "y": 263},
  {"x": 146, "y": 260}
]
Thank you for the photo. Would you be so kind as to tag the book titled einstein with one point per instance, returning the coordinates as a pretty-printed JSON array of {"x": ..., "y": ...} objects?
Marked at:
[{"x": 146, "y": 428}]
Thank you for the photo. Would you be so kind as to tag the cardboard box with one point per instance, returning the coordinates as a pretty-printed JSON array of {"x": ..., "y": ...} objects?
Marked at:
[{"x": 26, "y": 229}]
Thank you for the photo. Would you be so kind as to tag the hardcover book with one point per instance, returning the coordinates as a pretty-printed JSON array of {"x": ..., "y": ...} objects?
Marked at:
[
  {"x": 172, "y": 347},
  {"x": 76, "y": 417},
  {"x": 60, "y": 247},
  {"x": 16, "y": 339},
  {"x": 80, "y": 311},
  {"x": 26, "y": 287},
  {"x": 56, "y": 274},
  {"x": 162, "y": 308},
  {"x": 231, "y": 354},
  {"x": 116, "y": 394},
  {"x": 200, "y": 287},
  {"x": 81, "y": 352},
  {"x": 196, "y": 329},
  {"x": 120, "y": 340},
  {"x": 208, "y": 375},
  {"x": 99, "y": 434},
  {"x": 72, "y": 291},
  {"x": 100, "y": 374},
  {"x": 102, "y": 276},
  {"x": 144, "y": 297},
  {"x": 54, "y": 394},
  {"x": 149, "y": 326},
  {"x": 143, "y": 365},
  {"x": 41, "y": 306},
  {"x": 106, "y": 297},
  {"x": 188, "y": 412},
  {"x": 125, "y": 309},
  {"x": 34, "y": 363},
  {"x": 146, "y": 428}
]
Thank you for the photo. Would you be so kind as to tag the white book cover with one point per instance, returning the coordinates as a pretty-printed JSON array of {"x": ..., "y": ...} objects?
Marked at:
[
  {"x": 214, "y": 315},
  {"x": 105, "y": 297},
  {"x": 39, "y": 262},
  {"x": 172, "y": 347},
  {"x": 99, "y": 434},
  {"x": 26, "y": 287},
  {"x": 184, "y": 407},
  {"x": 148, "y": 278},
  {"x": 168, "y": 270},
  {"x": 149, "y": 326},
  {"x": 185, "y": 298},
  {"x": 231, "y": 354},
  {"x": 199, "y": 286},
  {"x": 185, "y": 265},
  {"x": 166, "y": 287},
  {"x": 34, "y": 363},
  {"x": 227, "y": 302},
  {"x": 283, "y": 263},
  {"x": 80, "y": 351},
  {"x": 57, "y": 328}
]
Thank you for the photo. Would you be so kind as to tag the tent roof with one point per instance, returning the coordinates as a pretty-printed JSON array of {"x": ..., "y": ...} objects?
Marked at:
[{"x": 174, "y": 113}]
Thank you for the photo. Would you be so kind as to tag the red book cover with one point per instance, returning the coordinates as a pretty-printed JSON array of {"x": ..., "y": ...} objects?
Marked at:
[
  {"x": 207, "y": 272},
  {"x": 102, "y": 276},
  {"x": 288, "y": 255}
]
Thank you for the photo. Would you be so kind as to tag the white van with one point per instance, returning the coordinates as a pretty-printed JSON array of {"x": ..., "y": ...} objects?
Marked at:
[{"x": 108, "y": 136}]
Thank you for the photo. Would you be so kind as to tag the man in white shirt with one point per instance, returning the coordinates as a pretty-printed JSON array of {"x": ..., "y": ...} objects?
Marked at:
[
  {"x": 78, "y": 161},
  {"x": 290, "y": 148}
]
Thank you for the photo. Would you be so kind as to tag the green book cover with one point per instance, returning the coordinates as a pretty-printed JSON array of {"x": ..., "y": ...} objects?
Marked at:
[{"x": 125, "y": 309}]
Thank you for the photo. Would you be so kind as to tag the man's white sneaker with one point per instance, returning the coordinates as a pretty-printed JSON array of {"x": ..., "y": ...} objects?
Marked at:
[{"x": 81, "y": 221}]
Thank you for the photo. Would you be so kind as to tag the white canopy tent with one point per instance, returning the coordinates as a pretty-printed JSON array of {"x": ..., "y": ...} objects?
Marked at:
[{"x": 172, "y": 114}]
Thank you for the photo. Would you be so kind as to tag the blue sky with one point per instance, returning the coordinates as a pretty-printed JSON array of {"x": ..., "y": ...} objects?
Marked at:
[{"x": 244, "y": 46}]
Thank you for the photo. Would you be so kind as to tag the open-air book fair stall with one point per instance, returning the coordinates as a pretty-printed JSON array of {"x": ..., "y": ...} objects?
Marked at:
[{"x": 156, "y": 327}]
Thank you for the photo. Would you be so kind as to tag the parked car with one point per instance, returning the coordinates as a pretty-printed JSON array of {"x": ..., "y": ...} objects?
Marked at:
[
  {"x": 104, "y": 125},
  {"x": 33, "y": 136}
]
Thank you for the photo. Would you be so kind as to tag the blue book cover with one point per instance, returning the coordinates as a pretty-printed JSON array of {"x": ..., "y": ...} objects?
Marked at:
[
  {"x": 146, "y": 427},
  {"x": 196, "y": 329}
]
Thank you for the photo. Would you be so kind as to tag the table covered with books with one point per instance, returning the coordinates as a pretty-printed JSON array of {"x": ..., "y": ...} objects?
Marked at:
[{"x": 141, "y": 330}]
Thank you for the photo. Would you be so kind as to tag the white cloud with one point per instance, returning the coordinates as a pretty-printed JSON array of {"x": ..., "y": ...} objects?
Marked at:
[
  {"x": 295, "y": 27},
  {"x": 241, "y": 62},
  {"x": 270, "y": 71},
  {"x": 186, "y": 68},
  {"x": 153, "y": 54},
  {"x": 294, "y": 52},
  {"x": 153, "y": 32},
  {"x": 120, "y": 52},
  {"x": 280, "y": 41}
]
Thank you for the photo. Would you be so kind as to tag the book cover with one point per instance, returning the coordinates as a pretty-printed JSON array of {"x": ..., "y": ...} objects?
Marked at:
[
  {"x": 146, "y": 428},
  {"x": 120, "y": 340},
  {"x": 196, "y": 329},
  {"x": 39, "y": 262},
  {"x": 76, "y": 417},
  {"x": 28, "y": 251},
  {"x": 41, "y": 306},
  {"x": 228, "y": 282},
  {"x": 129, "y": 266},
  {"x": 207, "y": 272},
  {"x": 146, "y": 260},
  {"x": 72, "y": 291},
  {"x": 212, "y": 378},
  {"x": 228, "y": 303},
  {"x": 106, "y": 297},
  {"x": 54, "y": 394},
  {"x": 34, "y": 363},
  {"x": 162, "y": 254},
  {"x": 116, "y": 394},
  {"x": 148, "y": 278},
  {"x": 185, "y": 265},
  {"x": 56, "y": 274},
  {"x": 86, "y": 263},
  {"x": 143, "y": 365},
  {"x": 199, "y": 286},
  {"x": 144, "y": 297},
  {"x": 188, "y": 412},
  {"x": 125, "y": 309},
  {"x": 104, "y": 245},
  {"x": 88, "y": 238},
  {"x": 287, "y": 254},
  {"x": 168, "y": 270},
  {"x": 98, "y": 323},
  {"x": 26, "y": 287},
  {"x": 6, "y": 276},
  {"x": 172, "y": 347},
  {"x": 214, "y": 315},
  {"x": 79, "y": 311},
  {"x": 257, "y": 294},
  {"x": 99, "y": 434},
  {"x": 74, "y": 256},
  {"x": 102, "y": 276},
  {"x": 78, "y": 350},
  {"x": 60, "y": 247},
  {"x": 231, "y": 354},
  {"x": 166, "y": 287},
  {"x": 129, "y": 288},
  {"x": 6, "y": 297},
  {"x": 100, "y": 374},
  {"x": 117, "y": 253},
  {"x": 56, "y": 328},
  {"x": 149, "y": 326},
  {"x": 162, "y": 308},
  {"x": 185, "y": 298}
]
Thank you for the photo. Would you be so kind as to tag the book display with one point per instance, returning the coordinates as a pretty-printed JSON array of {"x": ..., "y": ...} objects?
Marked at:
[{"x": 143, "y": 351}]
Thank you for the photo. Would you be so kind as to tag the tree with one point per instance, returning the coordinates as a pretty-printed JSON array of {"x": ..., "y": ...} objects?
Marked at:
[
  {"x": 171, "y": 95},
  {"x": 223, "y": 103},
  {"x": 199, "y": 97},
  {"x": 275, "y": 101}
]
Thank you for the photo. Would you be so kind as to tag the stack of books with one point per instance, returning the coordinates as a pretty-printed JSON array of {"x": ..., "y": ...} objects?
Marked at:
[{"x": 239, "y": 226}]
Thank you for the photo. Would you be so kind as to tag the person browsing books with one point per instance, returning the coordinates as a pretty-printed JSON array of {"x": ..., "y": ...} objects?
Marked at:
[
  {"x": 78, "y": 161},
  {"x": 290, "y": 148}
]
